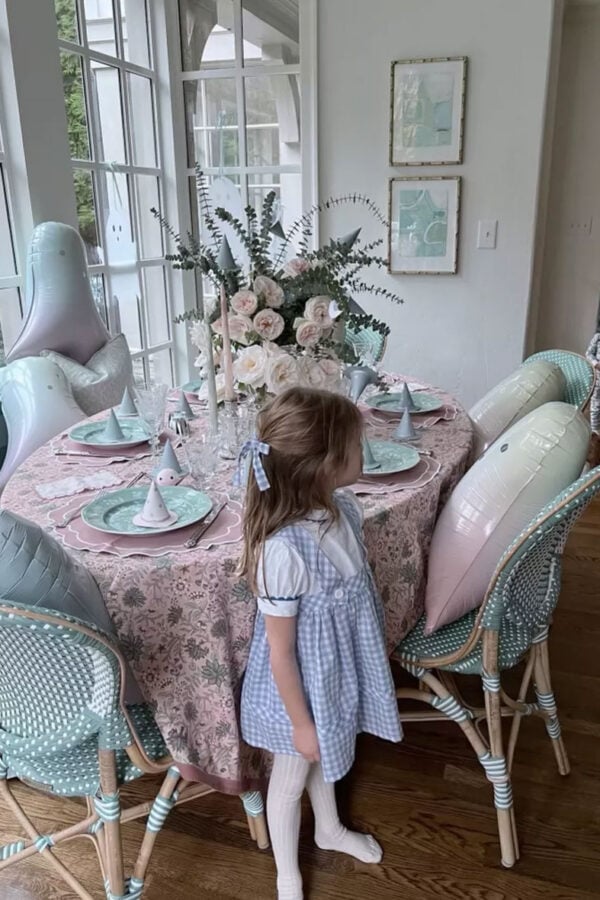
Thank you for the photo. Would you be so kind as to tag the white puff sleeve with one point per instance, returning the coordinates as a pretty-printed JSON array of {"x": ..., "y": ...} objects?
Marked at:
[{"x": 282, "y": 578}]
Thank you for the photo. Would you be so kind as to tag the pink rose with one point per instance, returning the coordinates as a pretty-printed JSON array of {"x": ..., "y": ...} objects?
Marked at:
[
  {"x": 244, "y": 302},
  {"x": 268, "y": 291},
  {"x": 307, "y": 333},
  {"x": 312, "y": 373},
  {"x": 296, "y": 267},
  {"x": 239, "y": 328},
  {"x": 317, "y": 310},
  {"x": 268, "y": 324}
]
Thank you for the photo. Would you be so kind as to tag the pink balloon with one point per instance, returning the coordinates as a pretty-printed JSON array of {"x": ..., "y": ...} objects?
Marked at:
[
  {"x": 62, "y": 315},
  {"x": 506, "y": 488}
]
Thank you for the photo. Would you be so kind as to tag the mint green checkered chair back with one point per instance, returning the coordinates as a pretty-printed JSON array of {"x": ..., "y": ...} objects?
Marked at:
[
  {"x": 578, "y": 371},
  {"x": 368, "y": 344},
  {"x": 525, "y": 587},
  {"x": 59, "y": 692}
]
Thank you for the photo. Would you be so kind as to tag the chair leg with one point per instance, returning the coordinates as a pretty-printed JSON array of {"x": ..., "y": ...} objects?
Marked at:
[
  {"x": 252, "y": 802},
  {"x": 491, "y": 758},
  {"x": 496, "y": 770},
  {"x": 547, "y": 703},
  {"x": 108, "y": 807}
]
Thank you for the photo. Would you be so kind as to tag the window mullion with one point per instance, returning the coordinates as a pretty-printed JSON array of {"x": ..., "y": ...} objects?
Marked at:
[{"x": 240, "y": 97}]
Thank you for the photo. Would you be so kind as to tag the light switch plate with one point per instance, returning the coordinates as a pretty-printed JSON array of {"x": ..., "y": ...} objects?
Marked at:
[{"x": 487, "y": 231}]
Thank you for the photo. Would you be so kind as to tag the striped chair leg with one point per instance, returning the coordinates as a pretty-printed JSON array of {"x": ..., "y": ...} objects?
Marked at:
[
  {"x": 496, "y": 770},
  {"x": 547, "y": 704},
  {"x": 108, "y": 807},
  {"x": 252, "y": 802},
  {"x": 162, "y": 806}
]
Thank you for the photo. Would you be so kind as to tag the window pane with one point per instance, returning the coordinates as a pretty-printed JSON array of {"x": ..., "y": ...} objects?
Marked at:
[
  {"x": 142, "y": 121},
  {"x": 100, "y": 26},
  {"x": 121, "y": 250},
  {"x": 288, "y": 188},
  {"x": 212, "y": 122},
  {"x": 106, "y": 87},
  {"x": 99, "y": 294},
  {"x": 7, "y": 257},
  {"x": 150, "y": 232},
  {"x": 87, "y": 216},
  {"x": 159, "y": 368},
  {"x": 271, "y": 32},
  {"x": 134, "y": 22},
  {"x": 207, "y": 39},
  {"x": 155, "y": 301},
  {"x": 126, "y": 304},
  {"x": 79, "y": 141},
  {"x": 10, "y": 320},
  {"x": 66, "y": 19},
  {"x": 272, "y": 120}
]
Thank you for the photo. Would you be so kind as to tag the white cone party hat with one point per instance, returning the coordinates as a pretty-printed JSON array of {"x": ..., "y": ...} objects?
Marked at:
[
  {"x": 406, "y": 430},
  {"x": 169, "y": 459},
  {"x": 127, "y": 407},
  {"x": 184, "y": 406},
  {"x": 112, "y": 430},
  {"x": 155, "y": 513}
]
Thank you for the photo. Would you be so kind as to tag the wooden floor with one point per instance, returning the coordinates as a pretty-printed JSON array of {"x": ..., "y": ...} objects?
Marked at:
[{"x": 425, "y": 799}]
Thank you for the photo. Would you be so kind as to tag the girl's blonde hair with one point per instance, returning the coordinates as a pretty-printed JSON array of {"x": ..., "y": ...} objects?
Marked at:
[{"x": 310, "y": 434}]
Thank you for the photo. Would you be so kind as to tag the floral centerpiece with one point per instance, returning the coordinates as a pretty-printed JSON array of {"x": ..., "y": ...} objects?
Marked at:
[{"x": 287, "y": 316}]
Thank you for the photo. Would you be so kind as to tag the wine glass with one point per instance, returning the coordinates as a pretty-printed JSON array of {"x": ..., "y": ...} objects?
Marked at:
[
  {"x": 151, "y": 402},
  {"x": 202, "y": 457}
]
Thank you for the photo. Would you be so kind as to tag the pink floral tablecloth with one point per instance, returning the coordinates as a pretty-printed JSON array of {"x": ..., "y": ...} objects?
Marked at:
[{"x": 185, "y": 619}]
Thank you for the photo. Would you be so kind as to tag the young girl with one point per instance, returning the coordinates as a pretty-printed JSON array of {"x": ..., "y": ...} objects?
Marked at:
[{"x": 318, "y": 672}]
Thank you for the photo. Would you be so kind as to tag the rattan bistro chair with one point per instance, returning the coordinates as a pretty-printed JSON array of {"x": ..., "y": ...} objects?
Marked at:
[
  {"x": 579, "y": 373},
  {"x": 511, "y": 625},
  {"x": 65, "y": 730}
]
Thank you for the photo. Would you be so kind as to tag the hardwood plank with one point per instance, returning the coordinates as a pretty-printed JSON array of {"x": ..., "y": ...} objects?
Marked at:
[{"x": 426, "y": 799}]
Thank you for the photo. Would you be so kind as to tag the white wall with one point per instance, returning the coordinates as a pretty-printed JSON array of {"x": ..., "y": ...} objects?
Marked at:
[
  {"x": 571, "y": 270},
  {"x": 466, "y": 331}
]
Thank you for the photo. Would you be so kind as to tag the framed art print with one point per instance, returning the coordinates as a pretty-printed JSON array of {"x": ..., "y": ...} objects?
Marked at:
[
  {"x": 423, "y": 229},
  {"x": 427, "y": 111}
]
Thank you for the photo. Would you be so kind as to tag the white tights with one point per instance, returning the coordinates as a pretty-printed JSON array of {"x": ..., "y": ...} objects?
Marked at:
[{"x": 290, "y": 775}]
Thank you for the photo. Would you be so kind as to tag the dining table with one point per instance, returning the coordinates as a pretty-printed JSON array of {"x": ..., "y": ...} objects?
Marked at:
[{"x": 184, "y": 616}]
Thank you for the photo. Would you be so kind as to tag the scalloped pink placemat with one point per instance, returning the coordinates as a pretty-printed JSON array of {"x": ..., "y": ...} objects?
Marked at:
[
  {"x": 424, "y": 472},
  {"x": 226, "y": 529}
]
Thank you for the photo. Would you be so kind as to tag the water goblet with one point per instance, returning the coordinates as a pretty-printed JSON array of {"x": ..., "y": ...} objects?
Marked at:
[{"x": 151, "y": 402}]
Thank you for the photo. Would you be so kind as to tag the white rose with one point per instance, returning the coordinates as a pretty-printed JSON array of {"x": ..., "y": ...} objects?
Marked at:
[
  {"x": 307, "y": 333},
  {"x": 200, "y": 334},
  {"x": 244, "y": 302},
  {"x": 313, "y": 374},
  {"x": 268, "y": 290},
  {"x": 268, "y": 324},
  {"x": 317, "y": 310},
  {"x": 239, "y": 328},
  {"x": 250, "y": 366},
  {"x": 220, "y": 383},
  {"x": 331, "y": 372},
  {"x": 272, "y": 349},
  {"x": 282, "y": 373}
]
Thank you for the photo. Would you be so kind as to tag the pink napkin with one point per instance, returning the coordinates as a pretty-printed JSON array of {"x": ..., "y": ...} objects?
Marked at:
[
  {"x": 76, "y": 484},
  {"x": 424, "y": 472},
  {"x": 226, "y": 529}
]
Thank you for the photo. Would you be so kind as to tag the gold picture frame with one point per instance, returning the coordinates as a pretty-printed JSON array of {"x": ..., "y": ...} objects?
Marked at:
[
  {"x": 427, "y": 111},
  {"x": 424, "y": 221}
]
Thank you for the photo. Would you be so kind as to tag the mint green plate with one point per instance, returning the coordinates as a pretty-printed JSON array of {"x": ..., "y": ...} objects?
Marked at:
[
  {"x": 90, "y": 434},
  {"x": 392, "y": 457},
  {"x": 392, "y": 402},
  {"x": 113, "y": 512}
]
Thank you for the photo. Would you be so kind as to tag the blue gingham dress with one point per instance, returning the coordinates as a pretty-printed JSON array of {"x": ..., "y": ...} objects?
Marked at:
[{"x": 341, "y": 657}]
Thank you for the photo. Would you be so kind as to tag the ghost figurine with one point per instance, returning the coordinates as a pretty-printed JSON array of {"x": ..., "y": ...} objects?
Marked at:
[
  {"x": 168, "y": 477},
  {"x": 121, "y": 254}
]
